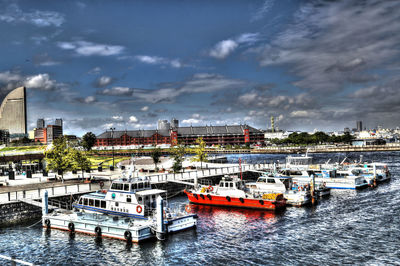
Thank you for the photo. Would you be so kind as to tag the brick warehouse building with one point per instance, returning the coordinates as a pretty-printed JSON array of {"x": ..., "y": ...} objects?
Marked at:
[{"x": 212, "y": 135}]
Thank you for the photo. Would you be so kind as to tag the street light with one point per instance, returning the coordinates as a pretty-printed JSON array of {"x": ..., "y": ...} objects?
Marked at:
[{"x": 112, "y": 139}]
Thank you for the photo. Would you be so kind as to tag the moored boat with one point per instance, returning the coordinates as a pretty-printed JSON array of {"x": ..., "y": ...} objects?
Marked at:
[{"x": 232, "y": 192}]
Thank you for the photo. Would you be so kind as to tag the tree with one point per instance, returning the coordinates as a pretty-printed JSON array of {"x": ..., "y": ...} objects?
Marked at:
[
  {"x": 79, "y": 160},
  {"x": 57, "y": 158},
  {"x": 88, "y": 141},
  {"x": 155, "y": 155},
  {"x": 200, "y": 151},
  {"x": 178, "y": 153}
]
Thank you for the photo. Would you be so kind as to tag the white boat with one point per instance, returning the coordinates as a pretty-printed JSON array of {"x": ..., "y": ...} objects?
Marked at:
[
  {"x": 294, "y": 195},
  {"x": 133, "y": 197},
  {"x": 328, "y": 178},
  {"x": 378, "y": 172}
]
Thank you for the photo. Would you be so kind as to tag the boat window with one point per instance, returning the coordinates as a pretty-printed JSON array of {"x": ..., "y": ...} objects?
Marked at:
[
  {"x": 80, "y": 201},
  {"x": 140, "y": 199},
  {"x": 230, "y": 184},
  {"x": 134, "y": 186},
  {"x": 97, "y": 203},
  {"x": 270, "y": 180},
  {"x": 140, "y": 185},
  {"x": 91, "y": 202},
  {"x": 103, "y": 204},
  {"x": 147, "y": 198},
  {"x": 128, "y": 199},
  {"x": 116, "y": 204},
  {"x": 114, "y": 186},
  {"x": 126, "y": 187},
  {"x": 153, "y": 197},
  {"x": 85, "y": 201}
]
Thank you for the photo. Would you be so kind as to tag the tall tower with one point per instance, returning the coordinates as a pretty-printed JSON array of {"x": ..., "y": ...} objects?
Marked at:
[
  {"x": 59, "y": 122},
  {"x": 272, "y": 124},
  {"x": 174, "y": 123},
  {"x": 13, "y": 112},
  {"x": 359, "y": 126}
]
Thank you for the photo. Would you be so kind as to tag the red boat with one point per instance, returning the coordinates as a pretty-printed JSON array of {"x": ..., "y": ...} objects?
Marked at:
[{"x": 232, "y": 192}]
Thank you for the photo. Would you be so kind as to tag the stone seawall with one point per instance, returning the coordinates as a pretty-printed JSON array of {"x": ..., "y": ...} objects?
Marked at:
[{"x": 13, "y": 213}]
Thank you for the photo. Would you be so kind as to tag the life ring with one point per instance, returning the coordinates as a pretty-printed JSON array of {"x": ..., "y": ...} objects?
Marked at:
[
  {"x": 188, "y": 208},
  {"x": 139, "y": 209},
  {"x": 299, "y": 188},
  {"x": 47, "y": 223},
  {"x": 101, "y": 184},
  {"x": 97, "y": 230},
  {"x": 228, "y": 198},
  {"x": 128, "y": 235},
  {"x": 71, "y": 227},
  {"x": 210, "y": 188}
]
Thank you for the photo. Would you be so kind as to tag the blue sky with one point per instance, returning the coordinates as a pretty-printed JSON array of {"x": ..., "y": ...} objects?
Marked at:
[{"x": 311, "y": 64}]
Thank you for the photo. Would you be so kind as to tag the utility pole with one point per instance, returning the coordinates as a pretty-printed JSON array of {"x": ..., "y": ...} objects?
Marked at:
[{"x": 112, "y": 139}]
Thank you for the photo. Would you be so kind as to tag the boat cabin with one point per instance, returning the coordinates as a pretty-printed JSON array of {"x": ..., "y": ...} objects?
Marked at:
[{"x": 227, "y": 183}]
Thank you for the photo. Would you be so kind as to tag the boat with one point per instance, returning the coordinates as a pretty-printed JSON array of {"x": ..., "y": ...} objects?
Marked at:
[
  {"x": 273, "y": 183},
  {"x": 232, "y": 192},
  {"x": 372, "y": 172},
  {"x": 327, "y": 178},
  {"x": 103, "y": 225},
  {"x": 133, "y": 197}
]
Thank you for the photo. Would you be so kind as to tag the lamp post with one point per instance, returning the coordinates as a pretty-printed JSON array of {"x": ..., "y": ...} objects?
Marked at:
[{"x": 112, "y": 139}]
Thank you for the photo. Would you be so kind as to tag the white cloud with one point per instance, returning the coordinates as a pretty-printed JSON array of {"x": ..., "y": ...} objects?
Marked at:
[
  {"x": 103, "y": 81},
  {"x": 13, "y": 14},
  {"x": 117, "y": 91},
  {"x": 85, "y": 48},
  {"x": 6, "y": 77},
  {"x": 117, "y": 118},
  {"x": 156, "y": 60},
  {"x": 261, "y": 12},
  {"x": 133, "y": 119},
  {"x": 90, "y": 99},
  {"x": 94, "y": 71},
  {"x": 40, "y": 81},
  {"x": 191, "y": 121},
  {"x": 223, "y": 49},
  {"x": 144, "y": 108}
]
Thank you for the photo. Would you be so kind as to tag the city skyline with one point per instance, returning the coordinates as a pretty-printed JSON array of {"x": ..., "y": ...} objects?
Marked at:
[{"x": 311, "y": 64}]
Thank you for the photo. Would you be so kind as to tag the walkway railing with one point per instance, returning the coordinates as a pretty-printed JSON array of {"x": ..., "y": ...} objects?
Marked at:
[
  {"x": 204, "y": 173},
  {"x": 53, "y": 191}
]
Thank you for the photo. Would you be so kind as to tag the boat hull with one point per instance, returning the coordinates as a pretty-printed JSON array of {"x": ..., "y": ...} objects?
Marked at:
[{"x": 215, "y": 200}]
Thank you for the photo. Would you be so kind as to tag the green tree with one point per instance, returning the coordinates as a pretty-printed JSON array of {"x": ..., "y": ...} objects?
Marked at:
[
  {"x": 88, "y": 141},
  {"x": 178, "y": 153},
  {"x": 58, "y": 158},
  {"x": 200, "y": 151},
  {"x": 155, "y": 155},
  {"x": 79, "y": 160}
]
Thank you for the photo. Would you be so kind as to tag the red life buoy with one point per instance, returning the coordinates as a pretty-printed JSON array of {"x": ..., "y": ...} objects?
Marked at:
[
  {"x": 188, "y": 209},
  {"x": 139, "y": 209},
  {"x": 210, "y": 188}
]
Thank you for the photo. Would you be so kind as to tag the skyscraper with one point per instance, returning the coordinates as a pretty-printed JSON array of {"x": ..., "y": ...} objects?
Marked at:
[
  {"x": 59, "y": 122},
  {"x": 359, "y": 126},
  {"x": 40, "y": 123},
  {"x": 13, "y": 112}
]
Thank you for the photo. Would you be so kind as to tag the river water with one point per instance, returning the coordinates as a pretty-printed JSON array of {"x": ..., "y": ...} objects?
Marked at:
[{"x": 349, "y": 227}]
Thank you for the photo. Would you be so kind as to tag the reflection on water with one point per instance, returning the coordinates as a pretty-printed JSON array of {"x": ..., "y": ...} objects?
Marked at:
[{"x": 349, "y": 227}]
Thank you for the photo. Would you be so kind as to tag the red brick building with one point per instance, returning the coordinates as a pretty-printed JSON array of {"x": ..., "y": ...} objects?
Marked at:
[{"x": 212, "y": 135}]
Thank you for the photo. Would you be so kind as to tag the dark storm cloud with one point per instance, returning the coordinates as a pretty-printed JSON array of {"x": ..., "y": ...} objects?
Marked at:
[{"x": 333, "y": 43}]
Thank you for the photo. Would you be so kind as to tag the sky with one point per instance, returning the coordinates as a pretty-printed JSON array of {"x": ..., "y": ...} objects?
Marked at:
[{"x": 313, "y": 65}]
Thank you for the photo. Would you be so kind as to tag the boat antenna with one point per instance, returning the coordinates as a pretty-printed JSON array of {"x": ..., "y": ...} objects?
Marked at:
[{"x": 345, "y": 158}]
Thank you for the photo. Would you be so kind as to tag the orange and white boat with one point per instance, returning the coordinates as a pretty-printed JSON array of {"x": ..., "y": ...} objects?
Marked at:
[{"x": 232, "y": 192}]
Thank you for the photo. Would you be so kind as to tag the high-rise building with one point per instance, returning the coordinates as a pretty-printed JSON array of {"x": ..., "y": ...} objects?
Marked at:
[
  {"x": 13, "y": 112},
  {"x": 174, "y": 123},
  {"x": 359, "y": 126},
  {"x": 59, "y": 122},
  {"x": 40, "y": 123},
  {"x": 53, "y": 132}
]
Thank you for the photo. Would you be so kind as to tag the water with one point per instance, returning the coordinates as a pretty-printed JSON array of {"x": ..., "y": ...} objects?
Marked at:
[{"x": 350, "y": 227}]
